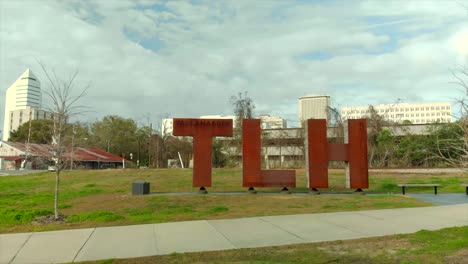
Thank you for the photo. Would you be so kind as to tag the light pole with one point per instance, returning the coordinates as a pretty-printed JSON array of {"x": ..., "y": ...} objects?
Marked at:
[
  {"x": 138, "y": 160},
  {"x": 72, "y": 153},
  {"x": 72, "y": 148}
]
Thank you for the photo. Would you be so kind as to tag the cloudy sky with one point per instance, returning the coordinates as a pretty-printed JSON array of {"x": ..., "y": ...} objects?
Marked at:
[{"x": 149, "y": 59}]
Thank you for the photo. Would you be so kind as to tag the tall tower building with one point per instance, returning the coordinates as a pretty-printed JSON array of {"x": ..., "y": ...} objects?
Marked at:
[
  {"x": 313, "y": 106},
  {"x": 22, "y": 102}
]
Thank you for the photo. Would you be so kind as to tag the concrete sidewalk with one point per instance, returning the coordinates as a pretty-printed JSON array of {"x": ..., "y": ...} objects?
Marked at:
[{"x": 207, "y": 235}]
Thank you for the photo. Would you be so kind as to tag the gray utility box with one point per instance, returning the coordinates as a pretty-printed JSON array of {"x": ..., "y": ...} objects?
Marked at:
[{"x": 140, "y": 188}]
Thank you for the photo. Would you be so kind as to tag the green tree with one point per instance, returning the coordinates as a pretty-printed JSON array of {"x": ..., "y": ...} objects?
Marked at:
[
  {"x": 375, "y": 124},
  {"x": 385, "y": 147},
  {"x": 414, "y": 150},
  {"x": 81, "y": 135},
  {"x": 116, "y": 135},
  {"x": 41, "y": 132},
  {"x": 218, "y": 157}
]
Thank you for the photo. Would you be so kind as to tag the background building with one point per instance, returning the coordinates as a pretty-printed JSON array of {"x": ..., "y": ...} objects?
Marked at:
[
  {"x": 417, "y": 113},
  {"x": 22, "y": 102},
  {"x": 271, "y": 122},
  {"x": 313, "y": 106},
  {"x": 40, "y": 156}
]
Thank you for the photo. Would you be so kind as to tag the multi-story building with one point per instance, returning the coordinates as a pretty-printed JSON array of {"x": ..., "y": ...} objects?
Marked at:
[
  {"x": 22, "y": 103},
  {"x": 313, "y": 106},
  {"x": 272, "y": 122},
  {"x": 416, "y": 113},
  {"x": 167, "y": 126}
]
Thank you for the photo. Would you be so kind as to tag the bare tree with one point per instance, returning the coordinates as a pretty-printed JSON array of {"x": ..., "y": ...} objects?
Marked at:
[
  {"x": 337, "y": 123},
  {"x": 454, "y": 150},
  {"x": 63, "y": 106},
  {"x": 243, "y": 107}
]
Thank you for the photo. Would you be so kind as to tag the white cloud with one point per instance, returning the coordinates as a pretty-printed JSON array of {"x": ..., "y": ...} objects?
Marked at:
[{"x": 187, "y": 59}]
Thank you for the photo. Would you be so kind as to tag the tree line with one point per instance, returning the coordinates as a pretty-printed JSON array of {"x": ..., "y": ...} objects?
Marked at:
[
  {"x": 442, "y": 144},
  {"x": 114, "y": 134}
]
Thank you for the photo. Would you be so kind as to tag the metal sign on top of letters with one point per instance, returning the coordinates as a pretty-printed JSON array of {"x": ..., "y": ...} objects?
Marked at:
[{"x": 319, "y": 152}]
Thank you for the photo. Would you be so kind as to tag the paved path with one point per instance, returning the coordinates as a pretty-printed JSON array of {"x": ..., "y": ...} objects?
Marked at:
[
  {"x": 442, "y": 198},
  {"x": 207, "y": 235},
  {"x": 422, "y": 170}
]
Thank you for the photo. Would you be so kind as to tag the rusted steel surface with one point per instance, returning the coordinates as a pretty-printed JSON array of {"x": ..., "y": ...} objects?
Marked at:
[
  {"x": 202, "y": 131},
  {"x": 277, "y": 178},
  {"x": 251, "y": 160},
  {"x": 252, "y": 174},
  {"x": 318, "y": 153},
  {"x": 338, "y": 152},
  {"x": 357, "y": 152}
]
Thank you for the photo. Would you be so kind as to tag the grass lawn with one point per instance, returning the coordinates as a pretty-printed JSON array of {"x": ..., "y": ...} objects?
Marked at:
[
  {"x": 103, "y": 198},
  {"x": 448, "y": 245}
]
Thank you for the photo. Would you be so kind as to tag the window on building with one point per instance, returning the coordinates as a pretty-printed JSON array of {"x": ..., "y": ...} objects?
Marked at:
[
  {"x": 432, "y": 108},
  {"x": 437, "y": 108}
]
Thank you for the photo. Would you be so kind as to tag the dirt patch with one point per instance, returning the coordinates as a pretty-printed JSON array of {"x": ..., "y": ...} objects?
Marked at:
[
  {"x": 49, "y": 219},
  {"x": 369, "y": 247},
  {"x": 105, "y": 202},
  {"x": 460, "y": 257}
]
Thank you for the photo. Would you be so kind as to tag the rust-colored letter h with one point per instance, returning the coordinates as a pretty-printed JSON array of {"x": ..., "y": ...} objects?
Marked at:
[{"x": 354, "y": 151}]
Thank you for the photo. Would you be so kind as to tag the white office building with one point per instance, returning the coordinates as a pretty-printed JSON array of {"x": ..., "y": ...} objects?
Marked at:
[
  {"x": 417, "y": 113},
  {"x": 313, "y": 106},
  {"x": 22, "y": 102},
  {"x": 272, "y": 122}
]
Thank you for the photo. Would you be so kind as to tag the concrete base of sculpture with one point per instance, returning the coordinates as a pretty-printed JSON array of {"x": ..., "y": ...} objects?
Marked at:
[
  {"x": 314, "y": 191},
  {"x": 202, "y": 190},
  {"x": 251, "y": 190},
  {"x": 359, "y": 191}
]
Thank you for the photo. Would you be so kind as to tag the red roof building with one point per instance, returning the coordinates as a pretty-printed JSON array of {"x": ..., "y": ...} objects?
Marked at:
[{"x": 40, "y": 156}]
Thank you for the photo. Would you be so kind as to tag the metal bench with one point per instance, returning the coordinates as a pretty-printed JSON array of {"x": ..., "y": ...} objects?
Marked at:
[
  {"x": 404, "y": 185},
  {"x": 466, "y": 186}
]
